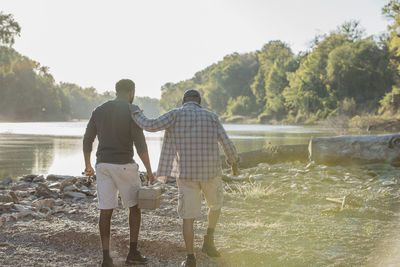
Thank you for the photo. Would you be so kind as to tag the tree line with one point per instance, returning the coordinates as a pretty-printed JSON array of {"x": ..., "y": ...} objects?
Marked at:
[
  {"x": 28, "y": 91},
  {"x": 344, "y": 73}
]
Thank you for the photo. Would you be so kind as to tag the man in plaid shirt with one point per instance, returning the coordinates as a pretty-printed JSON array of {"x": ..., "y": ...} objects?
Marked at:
[{"x": 190, "y": 153}]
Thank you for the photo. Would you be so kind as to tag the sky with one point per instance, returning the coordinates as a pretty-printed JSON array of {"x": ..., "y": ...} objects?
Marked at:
[{"x": 96, "y": 42}]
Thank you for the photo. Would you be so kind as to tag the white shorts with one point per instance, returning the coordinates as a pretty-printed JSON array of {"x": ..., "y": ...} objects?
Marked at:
[
  {"x": 190, "y": 196},
  {"x": 112, "y": 178}
]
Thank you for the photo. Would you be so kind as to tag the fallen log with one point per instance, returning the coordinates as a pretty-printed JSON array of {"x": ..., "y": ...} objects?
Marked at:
[
  {"x": 272, "y": 155},
  {"x": 346, "y": 150}
]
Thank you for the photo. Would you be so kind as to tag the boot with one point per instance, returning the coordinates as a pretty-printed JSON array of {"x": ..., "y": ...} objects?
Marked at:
[
  {"x": 209, "y": 247},
  {"x": 189, "y": 262}
]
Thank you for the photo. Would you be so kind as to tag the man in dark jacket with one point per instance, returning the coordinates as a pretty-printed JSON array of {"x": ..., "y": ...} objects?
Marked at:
[{"x": 116, "y": 171}]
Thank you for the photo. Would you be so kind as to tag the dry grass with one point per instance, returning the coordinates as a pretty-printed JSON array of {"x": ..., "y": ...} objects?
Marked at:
[{"x": 252, "y": 190}]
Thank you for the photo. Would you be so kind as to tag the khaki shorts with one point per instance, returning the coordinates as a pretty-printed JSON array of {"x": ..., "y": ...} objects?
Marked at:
[
  {"x": 190, "y": 196},
  {"x": 114, "y": 178}
]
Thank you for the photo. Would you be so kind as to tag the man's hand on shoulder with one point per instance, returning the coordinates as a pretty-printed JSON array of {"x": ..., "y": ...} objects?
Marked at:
[{"x": 134, "y": 109}]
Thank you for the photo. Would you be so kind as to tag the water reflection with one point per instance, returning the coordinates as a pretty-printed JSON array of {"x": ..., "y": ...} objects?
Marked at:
[
  {"x": 57, "y": 147},
  {"x": 21, "y": 154}
]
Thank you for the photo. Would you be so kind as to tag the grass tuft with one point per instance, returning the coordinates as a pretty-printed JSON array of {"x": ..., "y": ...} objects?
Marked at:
[{"x": 251, "y": 191}]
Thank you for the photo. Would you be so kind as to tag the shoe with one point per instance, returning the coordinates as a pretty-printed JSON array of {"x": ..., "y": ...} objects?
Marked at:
[
  {"x": 107, "y": 263},
  {"x": 189, "y": 262},
  {"x": 135, "y": 258},
  {"x": 209, "y": 247}
]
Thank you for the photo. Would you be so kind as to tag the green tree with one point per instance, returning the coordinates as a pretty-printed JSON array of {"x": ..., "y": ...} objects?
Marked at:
[{"x": 9, "y": 29}]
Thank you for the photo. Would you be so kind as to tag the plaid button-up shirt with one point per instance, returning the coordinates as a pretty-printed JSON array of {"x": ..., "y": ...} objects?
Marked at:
[{"x": 190, "y": 148}]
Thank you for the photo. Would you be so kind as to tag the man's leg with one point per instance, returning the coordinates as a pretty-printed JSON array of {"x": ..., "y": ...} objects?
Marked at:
[
  {"x": 128, "y": 182},
  {"x": 213, "y": 193},
  {"x": 188, "y": 235},
  {"x": 135, "y": 217},
  {"x": 104, "y": 227},
  {"x": 134, "y": 256},
  {"x": 213, "y": 216},
  {"x": 189, "y": 207}
]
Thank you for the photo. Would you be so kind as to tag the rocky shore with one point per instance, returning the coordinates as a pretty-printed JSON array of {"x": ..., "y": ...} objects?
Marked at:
[{"x": 52, "y": 221}]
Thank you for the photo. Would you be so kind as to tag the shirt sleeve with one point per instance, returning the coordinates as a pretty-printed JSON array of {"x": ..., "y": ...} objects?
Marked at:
[
  {"x": 90, "y": 135},
  {"x": 138, "y": 139},
  {"x": 152, "y": 125},
  {"x": 227, "y": 145}
]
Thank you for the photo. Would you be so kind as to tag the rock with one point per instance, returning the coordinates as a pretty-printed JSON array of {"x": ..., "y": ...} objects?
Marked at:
[
  {"x": 86, "y": 191},
  {"x": 6, "y": 207},
  {"x": 26, "y": 213},
  {"x": 12, "y": 217},
  {"x": 59, "y": 202},
  {"x": 26, "y": 203},
  {"x": 44, "y": 203},
  {"x": 19, "y": 207},
  {"x": 38, "y": 179},
  {"x": 53, "y": 177},
  {"x": 22, "y": 194},
  {"x": 43, "y": 191},
  {"x": 71, "y": 187},
  {"x": 170, "y": 180},
  {"x": 257, "y": 176},
  {"x": 389, "y": 183},
  {"x": 55, "y": 185},
  {"x": 84, "y": 188},
  {"x": 7, "y": 181},
  {"x": 72, "y": 194},
  {"x": 83, "y": 180},
  {"x": 5, "y": 198},
  {"x": 67, "y": 182},
  {"x": 21, "y": 186},
  {"x": 73, "y": 211},
  {"x": 14, "y": 197},
  {"x": 28, "y": 178},
  {"x": 58, "y": 210}
]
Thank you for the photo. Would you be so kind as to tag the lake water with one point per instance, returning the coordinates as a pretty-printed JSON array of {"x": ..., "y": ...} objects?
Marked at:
[{"x": 56, "y": 147}]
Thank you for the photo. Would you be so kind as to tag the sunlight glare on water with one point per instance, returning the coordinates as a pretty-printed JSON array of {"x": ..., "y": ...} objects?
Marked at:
[{"x": 56, "y": 147}]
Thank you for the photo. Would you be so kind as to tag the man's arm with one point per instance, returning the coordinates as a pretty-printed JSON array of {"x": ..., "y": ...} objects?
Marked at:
[
  {"x": 88, "y": 138},
  {"x": 141, "y": 148},
  {"x": 152, "y": 125},
  {"x": 146, "y": 162},
  {"x": 232, "y": 157}
]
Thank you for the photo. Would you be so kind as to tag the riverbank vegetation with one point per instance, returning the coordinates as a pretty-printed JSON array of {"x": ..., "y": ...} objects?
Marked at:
[
  {"x": 344, "y": 74},
  {"x": 29, "y": 92},
  {"x": 345, "y": 79}
]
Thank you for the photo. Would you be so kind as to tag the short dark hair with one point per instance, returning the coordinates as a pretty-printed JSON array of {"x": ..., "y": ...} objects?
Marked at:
[
  {"x": 191, "y": 95},
  {"x": 125, "y": 86}
]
